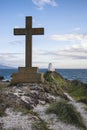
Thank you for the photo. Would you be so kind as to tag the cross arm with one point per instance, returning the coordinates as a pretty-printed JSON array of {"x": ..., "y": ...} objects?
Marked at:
[
  {"x": 19, "y": 31},
  {"x": 37, "y": 31}
]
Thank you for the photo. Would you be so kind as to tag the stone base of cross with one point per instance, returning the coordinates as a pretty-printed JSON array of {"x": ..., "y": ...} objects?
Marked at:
[{"x": 27, "y": 75}]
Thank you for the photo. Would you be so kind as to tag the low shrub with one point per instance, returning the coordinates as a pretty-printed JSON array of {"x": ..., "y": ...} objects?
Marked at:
[
  {"x": 2, "y": 105},
  {"x": 83, "y": 100},
  {"x": 39, "y": 125},
  {"x": 78, "y": 90},
  {"x": 66, "y": 113}
]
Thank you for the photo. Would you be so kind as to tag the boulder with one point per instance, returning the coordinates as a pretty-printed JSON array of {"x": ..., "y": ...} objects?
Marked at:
[{"x": 1, "y": 77}]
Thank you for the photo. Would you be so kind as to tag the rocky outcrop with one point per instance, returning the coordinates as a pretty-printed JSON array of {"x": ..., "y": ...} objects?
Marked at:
[
  {"x": 25, "y": 104},
  {"x": 1, "y": 77}
]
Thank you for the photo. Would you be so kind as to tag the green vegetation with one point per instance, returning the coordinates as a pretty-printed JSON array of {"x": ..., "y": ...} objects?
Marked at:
[
  {"x": 55, "y": 78},
  {"x": 75, "y": 88},
  {"x": 2, "y": 105},
  {"x": 66, "y": 113},
  {"x": 3, "y": 85},
  {"x": 48, "y": 77},
  {"x": 2, "y": 111},
  {"x": 40, "y": 125},
  {"x": 85, "y": 108},
  {"x": 83, "y": 100},
  {"x": 20, "y": 108},
  {"x": 78, "y": 90},
  {"x": 55, "y": 83}
]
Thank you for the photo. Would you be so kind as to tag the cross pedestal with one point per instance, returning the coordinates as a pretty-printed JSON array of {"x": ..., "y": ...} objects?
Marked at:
[{"x": 28, "y": 73}]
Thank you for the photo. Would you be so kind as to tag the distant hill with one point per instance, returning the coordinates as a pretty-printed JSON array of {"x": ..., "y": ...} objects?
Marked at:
[{"x": 5, "y": 67}]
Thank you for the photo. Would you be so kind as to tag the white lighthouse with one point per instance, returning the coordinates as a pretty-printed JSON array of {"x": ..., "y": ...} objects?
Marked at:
[{"x": 50, "y": 67}]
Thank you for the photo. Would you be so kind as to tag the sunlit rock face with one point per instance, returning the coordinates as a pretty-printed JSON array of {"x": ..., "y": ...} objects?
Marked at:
[{"x": 50, "y": 67}]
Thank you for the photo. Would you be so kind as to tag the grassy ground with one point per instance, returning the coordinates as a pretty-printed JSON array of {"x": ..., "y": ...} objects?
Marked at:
[
  {"x": 67, "y": 113},
  {"x": 40, "y": 125},
  {"x": 3, "y": 84},
  {"x": 56, "y": 83},
  {"x": 78, "y": 91},
  {"x": 56, "y": 78},
  {"x": 2, "y": 105},
  {"x": 75, "y": 88}
]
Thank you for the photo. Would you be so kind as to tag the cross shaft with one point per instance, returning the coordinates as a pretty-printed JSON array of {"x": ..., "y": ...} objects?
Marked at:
[{"x": 28, "y": 32}]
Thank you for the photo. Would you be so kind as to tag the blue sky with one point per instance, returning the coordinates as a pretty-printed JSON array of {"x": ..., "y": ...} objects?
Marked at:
[{"x": 64, "y": 42}]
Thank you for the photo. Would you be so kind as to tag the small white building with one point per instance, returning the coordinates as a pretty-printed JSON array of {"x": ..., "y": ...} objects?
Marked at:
[{"x": 50, "y": 67}]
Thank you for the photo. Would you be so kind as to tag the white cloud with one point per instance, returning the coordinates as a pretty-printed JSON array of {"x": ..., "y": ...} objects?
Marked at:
[
  {"x": 76, "y": 29},
  {"x": 41, "y": 3},
  {"x": 76, "y": 50},
  {"x": 11, "y": 59},
  {"x": 72, "y": 52},
  {"x": 69, "y": 37},
  {"x": 72, "y": 55}
]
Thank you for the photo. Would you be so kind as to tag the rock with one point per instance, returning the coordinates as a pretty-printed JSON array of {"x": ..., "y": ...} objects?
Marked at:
[
  {"x": 27, "y": 101},
  {"x": 1, "y": 77},
  {"x": 76, "y": 82},
  {"x": 7, "y": 80},
  {"x": 42, "y": 102},
  {"x": 19, "y": 85}
]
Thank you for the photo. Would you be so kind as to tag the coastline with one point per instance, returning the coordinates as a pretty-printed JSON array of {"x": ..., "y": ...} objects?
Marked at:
[{"x": 70, "y": 74}]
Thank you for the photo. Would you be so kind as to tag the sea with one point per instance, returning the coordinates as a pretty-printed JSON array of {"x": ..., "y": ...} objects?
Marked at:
[{"x": 71, "y": 74}]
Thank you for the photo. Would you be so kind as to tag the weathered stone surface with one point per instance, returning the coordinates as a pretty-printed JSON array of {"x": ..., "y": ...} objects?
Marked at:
[
  {"x": 28, "y": 69},
  {"x": 25, "y": 77}
]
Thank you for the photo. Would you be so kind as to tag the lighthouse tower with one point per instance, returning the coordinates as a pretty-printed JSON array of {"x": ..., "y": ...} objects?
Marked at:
[{"x": 50, "y": 67}]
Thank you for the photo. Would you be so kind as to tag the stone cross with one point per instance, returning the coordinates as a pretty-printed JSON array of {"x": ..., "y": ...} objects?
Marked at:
[{"x": 28, "y": 32}]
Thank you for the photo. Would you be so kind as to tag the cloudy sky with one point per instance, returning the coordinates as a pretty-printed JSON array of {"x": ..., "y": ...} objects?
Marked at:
[{"x": 64, "y": 42}]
